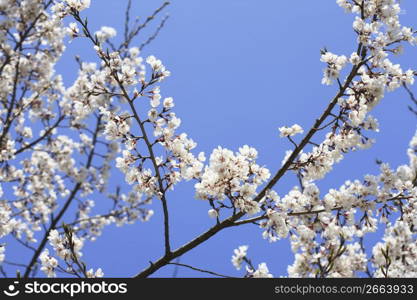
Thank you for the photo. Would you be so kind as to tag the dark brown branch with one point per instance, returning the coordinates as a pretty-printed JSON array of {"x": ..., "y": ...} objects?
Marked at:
[
  {"x": 250, "y": 221},
  {"x": 46, "y": 134},
  {"x": 412, "y": 97}
]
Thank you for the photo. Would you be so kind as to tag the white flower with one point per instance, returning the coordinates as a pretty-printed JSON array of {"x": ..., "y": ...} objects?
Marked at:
[
  {"x": 290, "y": 131},
  {"x": 2, "y": 255},
  {"x": 335, "y": 64},
  {"x": 354, "y": 59},
  {"x": 78, "y": 4},
  {"x": 201, "y": 157},
  {"x": 153, "y": 62},
  {"x": 134, "y": 51},
  {"x": 248, "y": 152},
  {"x": 105, "y": 33},
  {"x": 261, "y": 272},
  {"x": 61, "y": 245},
  {"x": 72, "y": 29},
  {"x": 159, "y": 69},
  {"x": 111, "y": 130},
  {"x": 49, "y": 263},
  {"x": 213, "y": 213},
  {"x": 98, "y": 274},
  {"x": 239, "y": 255},
  {"x": 116, "y": 127},
  {"x": 168, "y": 103},
  {"x": 152, "y": 114},
  {"x": 155, "y": 100}
]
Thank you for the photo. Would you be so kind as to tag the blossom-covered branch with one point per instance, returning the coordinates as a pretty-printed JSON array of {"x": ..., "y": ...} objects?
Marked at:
[{"x": 114, "y": 116}]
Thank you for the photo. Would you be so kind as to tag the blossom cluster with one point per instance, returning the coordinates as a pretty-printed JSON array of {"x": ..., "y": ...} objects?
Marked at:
[
  {"x": 68, "y": 248},
  {"x": 324, "y": 231},
  {"x": 290, "y": 131},
  {"x": 240, "y": 256},
  {"x": 235, "y": 176},
  {"x": 334, "y": 65}
]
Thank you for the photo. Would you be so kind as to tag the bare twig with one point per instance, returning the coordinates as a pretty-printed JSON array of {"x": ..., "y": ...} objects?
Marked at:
[
  {"x": 200, "y": 270},
  {"x": 155, "y": 34}
]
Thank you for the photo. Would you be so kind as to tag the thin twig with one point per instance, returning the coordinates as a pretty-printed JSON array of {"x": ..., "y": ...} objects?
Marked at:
[
  {"x": 155, "y": 34},
  {"x": 135, "y": 31},
  {"x": 200, "y": 270}
]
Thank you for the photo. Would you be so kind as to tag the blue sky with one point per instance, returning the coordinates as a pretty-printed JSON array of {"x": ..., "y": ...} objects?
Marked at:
[{"x": 240, "y": 69}]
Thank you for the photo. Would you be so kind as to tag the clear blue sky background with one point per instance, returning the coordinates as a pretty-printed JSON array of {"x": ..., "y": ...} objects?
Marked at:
[{"x": 240, "y": 69}]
